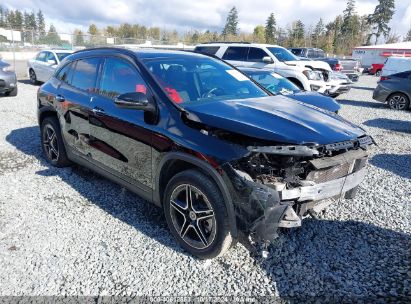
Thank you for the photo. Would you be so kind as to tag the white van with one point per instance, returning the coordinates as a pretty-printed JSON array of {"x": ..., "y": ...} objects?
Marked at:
[{"x": 394, "y": 65}]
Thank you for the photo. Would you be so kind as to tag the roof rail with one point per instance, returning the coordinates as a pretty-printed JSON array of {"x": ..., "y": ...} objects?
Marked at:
[
  {"x": 101, "y": 48},
  {"x": 226, "y": 42}
]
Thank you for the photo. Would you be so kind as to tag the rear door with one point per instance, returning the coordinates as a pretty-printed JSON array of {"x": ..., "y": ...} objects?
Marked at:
[
  {"x": 77, "y": 87},
  {"x": 236, "y": 55},
  {"x": 119, "y": 138},
  {"x": 38, "y": 65}
]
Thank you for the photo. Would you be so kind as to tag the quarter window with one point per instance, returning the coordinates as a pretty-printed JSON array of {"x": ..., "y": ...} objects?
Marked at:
[
  {"x": 120, "y": 77},
  {"x": 237, "y": 53},
  {"x": 85, "y": 74},
  {"x": 208, "y": 50},
  {"x": 256, "y": 55}
]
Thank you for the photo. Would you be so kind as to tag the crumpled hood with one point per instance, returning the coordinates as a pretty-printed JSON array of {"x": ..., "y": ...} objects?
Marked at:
[
  {"x": 274, "y": 118},
  {"x": 310, "y": 63},
  {"x": 316, "y": 99}
]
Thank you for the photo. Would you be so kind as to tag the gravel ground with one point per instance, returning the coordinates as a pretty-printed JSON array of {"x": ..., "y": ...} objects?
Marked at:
[{"x": 71, "y": 232}]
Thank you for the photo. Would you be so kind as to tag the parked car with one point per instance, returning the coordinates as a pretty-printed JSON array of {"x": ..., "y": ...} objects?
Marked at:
[
  {"x": 197, "y": 137},
  {"x": 306, "y": 74},
  {"x": 8, "y": 79},
  {"x": 42, "y": 67},
  {"x": 279, "y": 85},
  {"x": 395, "y": 90},
  {"x": 338, "y": 84},
  {"x": 311, "y": 53},
  {"x": 376, "y": 69},
  {"x": 394, "y": 65},
  {"x": 350, "y": 67}
]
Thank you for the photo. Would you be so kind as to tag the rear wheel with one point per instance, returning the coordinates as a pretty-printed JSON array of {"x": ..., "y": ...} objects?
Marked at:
[
  {"x": 52, "y": 142},
  {"x": 378, "y": 73},
  {"x": 33, "y": 77},
  {"x": 398, "y": 101},
  {"x": 196, "y": 214}
]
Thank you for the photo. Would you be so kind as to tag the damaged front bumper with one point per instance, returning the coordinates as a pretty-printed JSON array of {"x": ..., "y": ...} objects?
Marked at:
[{"x": 262, "y": 208}]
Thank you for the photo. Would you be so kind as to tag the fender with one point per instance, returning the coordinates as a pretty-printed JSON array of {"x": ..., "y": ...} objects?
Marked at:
[
  {"x": 41, "y": 111},
  {"x": 210, "y": 171}
]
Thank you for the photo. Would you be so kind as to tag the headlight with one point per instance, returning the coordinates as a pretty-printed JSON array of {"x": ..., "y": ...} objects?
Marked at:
[
  {"x": 8, "y": 68},
  {"x": 313, "y": 75}
]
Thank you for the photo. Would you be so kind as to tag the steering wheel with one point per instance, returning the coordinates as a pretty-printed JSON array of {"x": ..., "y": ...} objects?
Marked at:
[{"x": 212, "y": 92}]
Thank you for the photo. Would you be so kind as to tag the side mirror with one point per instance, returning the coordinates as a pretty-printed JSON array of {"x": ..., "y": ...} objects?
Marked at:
[
  {"x": 134, "y": 100},
  {"x": 51, "y": 62},
  {"x": 267, "y": 59}
]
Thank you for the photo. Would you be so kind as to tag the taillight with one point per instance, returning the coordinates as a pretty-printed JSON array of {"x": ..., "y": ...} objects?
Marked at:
[
  {"x": 384, "y": 78},
  {"x": 338, "y": 67}
]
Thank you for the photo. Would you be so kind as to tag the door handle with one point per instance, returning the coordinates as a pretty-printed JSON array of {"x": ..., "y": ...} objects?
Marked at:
[
  {"x": 60, "y": 98},
  {"x": 98, "y": 111}
]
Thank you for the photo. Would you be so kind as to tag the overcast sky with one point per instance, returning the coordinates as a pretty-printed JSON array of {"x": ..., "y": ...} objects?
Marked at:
[{"x": 183, "y": 15}]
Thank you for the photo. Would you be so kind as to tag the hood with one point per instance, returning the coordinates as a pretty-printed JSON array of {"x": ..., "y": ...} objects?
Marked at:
[
  {"x": 274, "y": 118},
  {"x": 317, "y": 99},
  {"x": 310, "y": 64}
]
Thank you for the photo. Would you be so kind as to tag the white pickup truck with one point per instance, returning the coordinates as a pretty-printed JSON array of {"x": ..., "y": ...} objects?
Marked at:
[{"x": 309, "y": 75}]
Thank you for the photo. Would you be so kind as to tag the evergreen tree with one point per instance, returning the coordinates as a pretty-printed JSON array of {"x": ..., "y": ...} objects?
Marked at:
[
  {"x": 2, "y": 17},
  {"x": 298, "y": 33},
  {"x": 92, "y": 29},
  {"x": 52, "y": 37},
  {"x": 381, "y": 17},
  {"x": 347, "y": 26},
  {"x": 231, "y": 25},
  {"x": 408, "y": 36},
  {"x": 78, "y": 37},
  {"x": 41, "y": 24},
  {"x": 18, "y": 20},
  {"x": 270, "y": 29}
]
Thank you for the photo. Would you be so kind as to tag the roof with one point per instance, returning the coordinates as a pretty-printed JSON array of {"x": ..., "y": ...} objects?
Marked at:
[
  {"x": 237, "y": 44},
  {"x": 392, "y": 46}
]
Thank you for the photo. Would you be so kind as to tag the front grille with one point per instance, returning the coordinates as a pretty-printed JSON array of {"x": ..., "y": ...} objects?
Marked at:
[
  {"x": 2, "y": 83},
  {"x": 325, "y": 175}
]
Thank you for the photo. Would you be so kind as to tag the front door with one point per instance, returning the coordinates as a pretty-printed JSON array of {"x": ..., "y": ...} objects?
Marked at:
[{"x": 119, "y": 139}]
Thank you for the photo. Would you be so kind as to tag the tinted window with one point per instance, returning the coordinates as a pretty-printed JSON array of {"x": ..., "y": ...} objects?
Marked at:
[
  {"x": 256, "y": 55},
  {"x": 209, "y": 50},
  {"x": 120, "y": 77},
  {"x": 85, "y": 74},
  {"x": 236, "y": 53},
  {"x": 298, "y": 52},
  {"x": 65, "y": 73},
  {"x": 282, "y": 54},
  {"x": 61, "y": 56},
  {"x": 198, "y": 79},
  {"x": 50, "y": 56},
  {"x": 41, "y": 56},
  {"x": 310, "y": 54}
]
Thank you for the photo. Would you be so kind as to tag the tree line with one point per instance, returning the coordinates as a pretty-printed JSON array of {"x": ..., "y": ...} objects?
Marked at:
[{"x": 339, "y": 36}]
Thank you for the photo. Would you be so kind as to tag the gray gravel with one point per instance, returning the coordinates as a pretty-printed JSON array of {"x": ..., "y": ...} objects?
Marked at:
[{"x": 71, "y": 232}]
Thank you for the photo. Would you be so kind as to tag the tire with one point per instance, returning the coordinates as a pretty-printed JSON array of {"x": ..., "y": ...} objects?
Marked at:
[
  {"x": 52, "y": 142},
  {"x": 12, "y": 93},
  {"x": 378, "y": 73},
  {"x": 205, "y": 238},
  {"x": 398, "y": 101},
  {"x": 33, "y": 77}
]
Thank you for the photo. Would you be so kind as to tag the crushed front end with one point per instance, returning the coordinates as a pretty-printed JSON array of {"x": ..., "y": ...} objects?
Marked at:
[{"x": 277, "y": 186}]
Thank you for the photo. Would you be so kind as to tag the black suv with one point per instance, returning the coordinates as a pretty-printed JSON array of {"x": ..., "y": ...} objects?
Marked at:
[{"x": 221, "y": 155}]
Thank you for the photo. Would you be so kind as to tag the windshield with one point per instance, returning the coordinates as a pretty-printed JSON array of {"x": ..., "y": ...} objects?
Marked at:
[
  {"x": 195, "y": 79},
  {"x": 282, "y": 54},
  {"x": 61, "y": 56},
  {"x": 275, "y": 83}
]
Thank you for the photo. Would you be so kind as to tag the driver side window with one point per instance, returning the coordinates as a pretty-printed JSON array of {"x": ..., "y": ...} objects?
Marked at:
[{"x": 119, "y": 77}]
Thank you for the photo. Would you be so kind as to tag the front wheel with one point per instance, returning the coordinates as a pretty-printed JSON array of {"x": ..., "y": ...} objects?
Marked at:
[
  {"x": 398, "y": 101},
  {"x": 12, "y": 93},
  {"x": 52, "y": 142},
  {"x": 196, "y": 214}
]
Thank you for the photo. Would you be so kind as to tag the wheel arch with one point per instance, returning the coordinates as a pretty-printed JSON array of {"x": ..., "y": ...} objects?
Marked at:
[
  {"x": 46, "y": 112},
  {"x": 296, "y": 81},
  {"x": 176, "y": 162}
]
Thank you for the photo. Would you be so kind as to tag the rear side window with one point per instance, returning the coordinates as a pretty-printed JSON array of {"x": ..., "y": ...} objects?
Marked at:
[
  {"x": 120, "y": 77},
  {"x": 65, "y": 73},
  {"x": 256, "y": 55},
  {"x": 208, "y": 50},
  {"x": 403, "y": 75},
  {"x": 85, "y": 74},
  {"x": 310, "y": 54},
  {"x": 50, "y": 56},
  {"x": 237, "y": 53}
]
